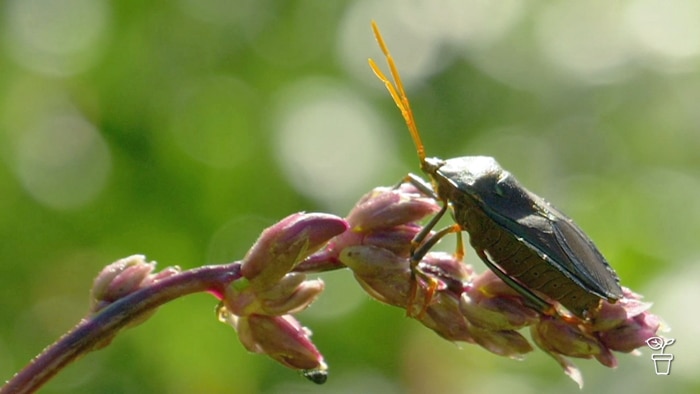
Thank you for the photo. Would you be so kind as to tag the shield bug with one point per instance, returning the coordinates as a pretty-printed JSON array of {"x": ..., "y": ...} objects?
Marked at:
[{"x": 529, "y": 244}]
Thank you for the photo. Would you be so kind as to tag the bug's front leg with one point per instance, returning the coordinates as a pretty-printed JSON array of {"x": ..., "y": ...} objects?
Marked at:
[
  {"x": 420, "y": 184},
  {"x": 423, "y": 242}
]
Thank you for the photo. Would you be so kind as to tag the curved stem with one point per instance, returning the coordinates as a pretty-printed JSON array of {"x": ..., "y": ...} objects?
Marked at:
[{"x": 97, "y": 331}]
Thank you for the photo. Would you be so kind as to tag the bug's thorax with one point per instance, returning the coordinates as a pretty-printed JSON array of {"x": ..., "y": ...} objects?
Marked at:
[{"x": 464, "y": 181}]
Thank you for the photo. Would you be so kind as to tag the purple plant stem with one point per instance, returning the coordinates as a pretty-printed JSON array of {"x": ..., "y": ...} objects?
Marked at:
[{"x": 105, "y": 325}]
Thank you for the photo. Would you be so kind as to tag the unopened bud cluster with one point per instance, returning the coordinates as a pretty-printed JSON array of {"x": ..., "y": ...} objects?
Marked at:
[
  {"x": 260, "y": 304},
  {"x": 374, "y": 241},
  {"x": 124, "y": 277}
]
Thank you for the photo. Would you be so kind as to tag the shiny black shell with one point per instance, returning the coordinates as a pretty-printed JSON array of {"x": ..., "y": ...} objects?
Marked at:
[{"x": 528, "y": 239}]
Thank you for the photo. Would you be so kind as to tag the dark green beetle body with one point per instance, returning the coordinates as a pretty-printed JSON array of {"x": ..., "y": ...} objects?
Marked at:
[
  {"x": 530, "y": 245},
  {"x": 521, "y": 236}
]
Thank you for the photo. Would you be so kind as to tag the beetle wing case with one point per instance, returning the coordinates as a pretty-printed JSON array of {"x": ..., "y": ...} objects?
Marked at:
[{"x": 534, "y": 222}]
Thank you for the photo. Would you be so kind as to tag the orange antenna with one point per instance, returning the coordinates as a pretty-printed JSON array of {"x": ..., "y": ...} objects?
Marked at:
[{"x": 397, "y": 91}]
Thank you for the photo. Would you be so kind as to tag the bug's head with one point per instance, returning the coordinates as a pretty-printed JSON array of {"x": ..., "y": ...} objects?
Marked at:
[{"x": 431, "y": 165}]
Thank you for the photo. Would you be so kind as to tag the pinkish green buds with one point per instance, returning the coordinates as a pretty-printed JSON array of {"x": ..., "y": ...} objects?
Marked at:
[
  {"x": 292, "y": 294},
  {"x": 381, "y": 273},
  {"x": 268, "y": 287},
  {"x": 386, "y": 277},
  {"x": 491, "y": 304},
  {"x": 443, "y": 317},
  {"x": 286, "y": 243},
  {"x": 637, "y": 326},
  {"x": 387, "y": 208},
  {"x": 259, "y": 304},
  {"x": 623, "y": 327},
  {"x": 557, "y": 336},
  {"x": 384, "y": 217},
  {"x": 507, "y": 343},
  {"x": 122, "y": 278},
  {"x": 631, "y": 334},
  {"x": 280, "y": 337}
]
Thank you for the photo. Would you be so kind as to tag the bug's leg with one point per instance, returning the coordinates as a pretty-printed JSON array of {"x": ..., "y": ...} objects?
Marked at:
[
  {"x": 421, "y": 244},
  {"x": 418, "y": 251},
  {"x": 417, "y": 274},
  {"x": 459, "y": 252},
  {"x": 420, "y": 184},
  {"x": 417, "y": 242},
  {"x": 536, "y": 302}
]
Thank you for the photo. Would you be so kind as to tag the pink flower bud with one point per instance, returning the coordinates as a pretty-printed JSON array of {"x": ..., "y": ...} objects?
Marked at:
[
  {"x": 506, "y": 343},
  {"x": 631, "y": 334},
  {"x": 444, "y": 317},
  {"x": 554, "y": 335},
  {"x": 384, "y": 275},
  {"x": 447, "y": 267},
  {"x": 388, "y": 207},
  {"x": 241, "y": 299},
  {"x": 496, "y": 313},
  {"x": 491, "y": 285},
  {"x": 280, "y": 337},
  {"x": 284, "y": 244},
  {"x": 606, "y": 357},
  {"x": 290, "y": 295},
  {"x": 608, "y": 316},
  {"x": 395, "y": 239},
  {"x": 118, "y": 280},
  {"x": 299, "y": 299},
  {"x": 165, "y": 273}
]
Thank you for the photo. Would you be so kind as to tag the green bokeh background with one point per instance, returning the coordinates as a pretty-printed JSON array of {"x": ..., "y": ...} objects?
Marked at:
[{"x": 181, "y": 129}]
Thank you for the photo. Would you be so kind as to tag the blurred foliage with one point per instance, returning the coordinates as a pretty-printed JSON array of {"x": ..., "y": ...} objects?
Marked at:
[{"x": 181, "y": 129}]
